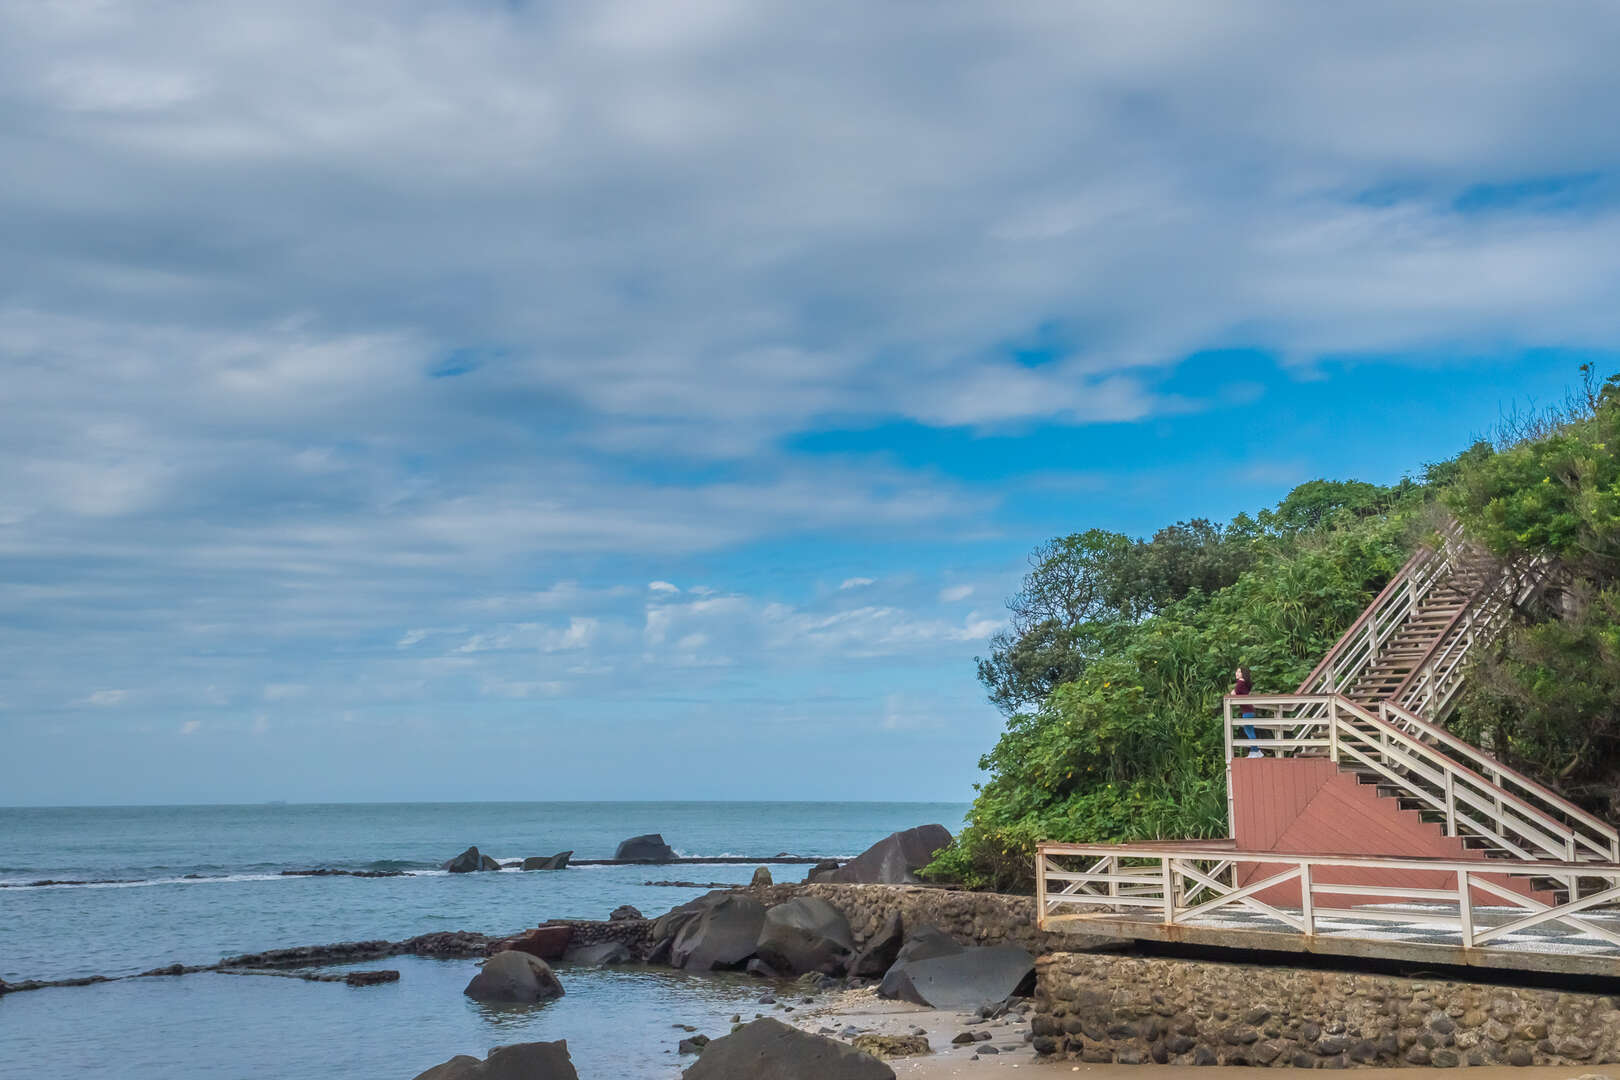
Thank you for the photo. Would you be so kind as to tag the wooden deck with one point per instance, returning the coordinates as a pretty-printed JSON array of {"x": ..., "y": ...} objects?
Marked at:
[{"x": 1205, "y": 895}]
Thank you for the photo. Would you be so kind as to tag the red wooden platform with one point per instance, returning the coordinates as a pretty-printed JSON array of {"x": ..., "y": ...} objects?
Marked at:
[{"x": 1309, "y": 806}]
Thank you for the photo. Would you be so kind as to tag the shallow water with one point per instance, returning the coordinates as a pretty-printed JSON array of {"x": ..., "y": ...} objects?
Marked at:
[{"x": 617, "y": 1022}]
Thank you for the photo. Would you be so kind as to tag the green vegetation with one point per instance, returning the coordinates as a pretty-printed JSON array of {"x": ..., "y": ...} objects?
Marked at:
[{"x": 1119, "y": 650}]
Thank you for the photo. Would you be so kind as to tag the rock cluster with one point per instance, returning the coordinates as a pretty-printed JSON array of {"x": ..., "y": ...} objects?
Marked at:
[
  {"x": 558, "y": 861},
  {"x": 1133, "y": 1010},
  {"x": 469, "y": 861}
]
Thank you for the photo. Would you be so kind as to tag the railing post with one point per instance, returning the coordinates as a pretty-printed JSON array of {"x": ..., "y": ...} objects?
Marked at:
[
  {"x": 1040, "y": 887},
  {"x": 1231, "y": 804},
  {"x": 1451, "y": 803},
  {"x": 1307, "y": 906},
  {"x": 1465, "y": 910},
  {"x": 1333, "y": 730},
  {"x": 1169, "y": 892},
  {"x": 1113, "y": 880}
]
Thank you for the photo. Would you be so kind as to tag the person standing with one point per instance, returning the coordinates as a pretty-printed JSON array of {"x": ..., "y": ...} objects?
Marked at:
[{"x": 1242, "y": 683}]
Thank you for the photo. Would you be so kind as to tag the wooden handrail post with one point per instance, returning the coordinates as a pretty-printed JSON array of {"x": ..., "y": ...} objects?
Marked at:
[
  {"x": 1465, "y": 910},
  {"x": 1169, "y": 890},
  {"x": 1040, "y": 886},
  {"x": 1451, "y": 803},
  {"x": 1307, "y": 906}
]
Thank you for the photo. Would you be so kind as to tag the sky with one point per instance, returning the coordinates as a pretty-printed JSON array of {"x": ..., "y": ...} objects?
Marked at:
[{"x": 428, "y": 400}]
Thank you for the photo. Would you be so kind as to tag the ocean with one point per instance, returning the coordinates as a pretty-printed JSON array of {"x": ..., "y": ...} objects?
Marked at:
[{"x": 194, "y": 884}]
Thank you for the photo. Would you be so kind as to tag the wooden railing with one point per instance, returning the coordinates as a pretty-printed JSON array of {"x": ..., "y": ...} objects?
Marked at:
[
  {"x": 1467, "y": 788},
  {"x": 1437, "y": 678},
  {"x": 1361, "y": 645},
  {"x": 1176, "y": 887}
]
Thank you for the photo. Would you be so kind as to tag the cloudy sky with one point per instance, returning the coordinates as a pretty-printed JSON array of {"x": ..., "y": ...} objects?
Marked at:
[{"x": 478, "y": 400}]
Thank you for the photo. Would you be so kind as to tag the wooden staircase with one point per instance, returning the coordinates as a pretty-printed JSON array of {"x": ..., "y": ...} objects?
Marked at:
[
  {"x": 1411, "y": 645},
  {"x": 1374, "y": 703}
]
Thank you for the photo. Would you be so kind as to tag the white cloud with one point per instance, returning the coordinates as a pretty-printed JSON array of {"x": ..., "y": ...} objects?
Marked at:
[
  {"x": 856, "y": 583},
  {"x": 661, "y": 587},
  {"x": 191, "y": 727},
  {"x": 284, "y": 691},
  {"x": 108, "y": 697},
  {"x": 953, "y": 593}
]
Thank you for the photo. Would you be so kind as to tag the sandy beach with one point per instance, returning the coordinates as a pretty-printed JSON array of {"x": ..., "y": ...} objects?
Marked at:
[{"x": 866, "y": 1012}]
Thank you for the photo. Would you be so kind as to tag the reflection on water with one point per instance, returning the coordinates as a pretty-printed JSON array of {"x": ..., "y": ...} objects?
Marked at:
[{"x": 619, "y": 1022}]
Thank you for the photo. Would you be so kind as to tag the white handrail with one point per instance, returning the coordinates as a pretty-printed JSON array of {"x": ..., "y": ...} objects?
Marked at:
[
  {"x": 1175, "y": 887},
  {"x": 1344, "y": 731}
]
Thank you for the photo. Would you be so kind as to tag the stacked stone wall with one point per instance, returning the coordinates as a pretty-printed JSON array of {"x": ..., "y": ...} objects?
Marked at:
[{"x": 1135, "y": 1010}]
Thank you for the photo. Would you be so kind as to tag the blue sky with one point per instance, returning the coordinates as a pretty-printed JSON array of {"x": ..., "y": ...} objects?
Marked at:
[{"x": 612, "y": 400}]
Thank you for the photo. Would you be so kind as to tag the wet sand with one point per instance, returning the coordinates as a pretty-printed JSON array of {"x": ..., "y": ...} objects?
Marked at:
[{"x": 865, "y": 1011}]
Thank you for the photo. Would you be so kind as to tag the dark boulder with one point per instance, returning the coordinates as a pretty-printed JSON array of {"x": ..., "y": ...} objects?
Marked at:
[
  {"x": 514, "y": 978},
  {"x": 558, "y": 861},
  {"x": 520, "y": 1061},
  {"x": 487, "y": 863},
  {"x": 599, "y": 955},
  {"x": 806, "y": 934},
  {"x": 723, "y": 934},
  {"x": 881, "y": 949},
  {"x": 895, "y": 859},
  {"x": 466, "y": 862},
  {"x": 649, "y": 848},
  {"x": 768, "y": 1049},
  {"x": 546, "y": 942},
  {"x": 923, "y": 943},
  {"x": 962, "y": 980},
  {"x": 624, "y": 913},
  {"x": 762, "y": 876},
  {"x": 661, "y": 935},
  {"x": 822, "y": 871}
]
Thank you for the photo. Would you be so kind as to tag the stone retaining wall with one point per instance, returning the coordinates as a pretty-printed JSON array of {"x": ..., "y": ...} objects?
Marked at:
[{"x": 1132, "y": 1010}]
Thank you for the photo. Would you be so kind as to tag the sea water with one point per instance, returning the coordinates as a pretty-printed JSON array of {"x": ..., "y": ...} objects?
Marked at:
[{"x": 195, "y": 884}]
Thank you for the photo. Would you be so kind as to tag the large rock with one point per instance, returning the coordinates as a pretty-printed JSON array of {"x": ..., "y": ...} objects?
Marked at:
[
  {"x": 723, "y": 934},
  {"x": 806, "y": 934},
  {"x": 466, "y": 862},
  {"x": 923, "y": 943},
  {"x": 893, "y": 860},
  {"x": 822, "y": 871},
  {"x": 520, "y": 1061},
  {"x": 624, "y": 913},
  {"x": 661, "y": 935},
  {"x": 487, "y": 863},
  {"x": 599, "y": 955},
  {"x": 650, "y": 848},
  {"x": 963, "y": 980},
  {"x": 770, "y": 1050},
  {"x": 546, "y": 942},
  {"x": 558, "y": 861},
  {"x": 762, "y": 876},
  {"x": 515, "y": 978},
  {"x": 881, "y": 949}
]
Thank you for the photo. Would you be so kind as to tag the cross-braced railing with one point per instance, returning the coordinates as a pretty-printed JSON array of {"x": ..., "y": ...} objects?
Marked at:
[
  {"x": 1470, "y": 793},
  {"x": 1175, "y": 886}
]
